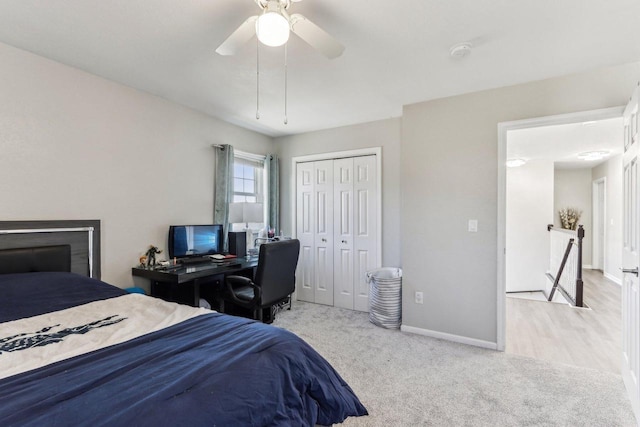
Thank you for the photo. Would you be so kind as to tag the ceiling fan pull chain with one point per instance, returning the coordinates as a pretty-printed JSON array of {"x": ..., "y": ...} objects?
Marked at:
[
  {"x": 258, "y": 78},
  {"x": 285, "y": 83}
]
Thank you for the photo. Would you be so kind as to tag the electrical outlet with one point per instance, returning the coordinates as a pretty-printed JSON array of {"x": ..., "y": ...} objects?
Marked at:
[{"x": 419, "y": 298}]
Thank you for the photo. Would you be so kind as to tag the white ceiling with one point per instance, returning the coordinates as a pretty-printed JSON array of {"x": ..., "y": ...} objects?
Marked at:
[
  {"x": 397, "y": 53},
  {"x": 562, "y": 143}
]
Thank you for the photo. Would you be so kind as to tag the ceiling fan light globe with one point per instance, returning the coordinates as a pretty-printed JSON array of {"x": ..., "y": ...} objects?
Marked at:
[
  {"x": 272, "y": 29},
  {"x": 593, "y": 155},
  {"x": 515, "y": 163}
]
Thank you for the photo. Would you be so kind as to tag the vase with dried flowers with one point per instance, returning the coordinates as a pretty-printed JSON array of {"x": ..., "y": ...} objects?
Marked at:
[{"x": 569, "y": 218}]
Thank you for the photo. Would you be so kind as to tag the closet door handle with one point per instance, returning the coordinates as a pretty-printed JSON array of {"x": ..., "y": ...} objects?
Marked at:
[
  {"x": 344, "y": 241},
  {"x": 324, "y": 240}
]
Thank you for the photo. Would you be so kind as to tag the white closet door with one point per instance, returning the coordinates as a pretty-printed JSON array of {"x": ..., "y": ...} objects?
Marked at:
[
  {"x": 337, "y": 225},
  {"x": 323, "y": 238},
  {"x": 365, "y": 227},
  {"x": 305, "y": 231},
  {"x": 343, "y": 233}
]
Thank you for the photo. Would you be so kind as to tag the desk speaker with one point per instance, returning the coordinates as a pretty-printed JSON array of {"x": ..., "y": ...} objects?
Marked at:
[{"x": 238, "y": 243}]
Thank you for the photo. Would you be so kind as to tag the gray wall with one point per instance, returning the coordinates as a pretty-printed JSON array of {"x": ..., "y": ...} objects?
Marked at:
[
  {"x": 449, "y": 175},
  {"x": 385, "y": 134},
  {"x": 76, "y": 146}
]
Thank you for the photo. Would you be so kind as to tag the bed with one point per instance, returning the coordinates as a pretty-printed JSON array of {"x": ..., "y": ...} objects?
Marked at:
[{"x": 77, "y": 351}]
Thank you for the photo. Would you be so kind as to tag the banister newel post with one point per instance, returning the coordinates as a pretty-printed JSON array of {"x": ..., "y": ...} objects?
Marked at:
[{"x": 579, "y": 283}]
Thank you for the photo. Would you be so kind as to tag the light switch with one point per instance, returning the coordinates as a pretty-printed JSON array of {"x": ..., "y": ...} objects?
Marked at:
[{"x": 473, "y": 225}]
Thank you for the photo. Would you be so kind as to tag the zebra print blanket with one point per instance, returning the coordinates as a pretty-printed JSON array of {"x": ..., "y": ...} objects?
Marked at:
[{"x": 37, "y": 341}]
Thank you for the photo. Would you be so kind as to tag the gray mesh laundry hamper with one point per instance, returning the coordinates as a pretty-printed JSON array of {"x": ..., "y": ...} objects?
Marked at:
[{"x": 385, "y": 297}]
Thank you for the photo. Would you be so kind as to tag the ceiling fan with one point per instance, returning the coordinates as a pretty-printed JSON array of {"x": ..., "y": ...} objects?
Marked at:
[{"x": 272, "y": 28}]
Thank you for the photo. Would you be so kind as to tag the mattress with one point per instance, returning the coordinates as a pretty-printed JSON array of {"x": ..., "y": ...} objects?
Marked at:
[{"x": 77, "y": 351}]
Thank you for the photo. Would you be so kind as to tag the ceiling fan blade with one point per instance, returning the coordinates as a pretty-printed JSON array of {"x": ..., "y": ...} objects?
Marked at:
[
  {"x": 315, "y": 36},
  {"x": 239, "y": 37}
]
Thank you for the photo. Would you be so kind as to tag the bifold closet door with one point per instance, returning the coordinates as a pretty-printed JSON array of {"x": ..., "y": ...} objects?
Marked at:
[
  {"x": 337, "y": 227},
  {"x": 324, "y": 242},
  {"x": 365, "y": 227},
  {"x": 305, "y": 231},
  {"x": 343, "y": 279},
  {"x": 314, "y": 214},
  {"x": 355, "y": 225}
]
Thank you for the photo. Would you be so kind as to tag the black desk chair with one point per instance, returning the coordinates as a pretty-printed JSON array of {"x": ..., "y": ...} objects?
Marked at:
[{"x": 274, "y": 282}]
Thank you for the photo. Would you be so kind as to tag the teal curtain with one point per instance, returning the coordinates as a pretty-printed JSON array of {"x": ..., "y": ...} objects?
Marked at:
[
  {"x": 223, "y": 189},
  {"x": 273, "y": 188}
]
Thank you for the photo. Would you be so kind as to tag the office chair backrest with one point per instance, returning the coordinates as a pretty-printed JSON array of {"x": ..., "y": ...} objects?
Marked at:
[{"x": 276, "y": 271}]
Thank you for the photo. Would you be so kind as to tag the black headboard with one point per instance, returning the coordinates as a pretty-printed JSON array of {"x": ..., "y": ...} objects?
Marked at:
[
  {"x": 83, "y": 237},
  {"x": 29, "y": 260}
]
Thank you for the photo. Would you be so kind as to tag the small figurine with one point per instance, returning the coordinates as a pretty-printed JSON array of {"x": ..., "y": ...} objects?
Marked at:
[
  {"x": 143, "y": 261},
  {"x": 151, "y": 255}
]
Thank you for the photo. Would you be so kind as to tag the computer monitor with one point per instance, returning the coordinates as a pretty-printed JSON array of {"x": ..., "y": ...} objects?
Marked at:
[{"x": 195, "y": 240}]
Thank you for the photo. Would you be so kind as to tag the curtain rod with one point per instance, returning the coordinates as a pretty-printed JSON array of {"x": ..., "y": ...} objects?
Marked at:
[{"x": 244, "y": 154}]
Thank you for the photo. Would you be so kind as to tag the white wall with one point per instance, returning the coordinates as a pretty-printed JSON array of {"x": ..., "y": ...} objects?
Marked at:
[
  {"x": 385, "y": 134},
  {"x": 573, "y": 190},
  {"x": 449, "y": 175},
  {"x": 612, "y": 170},
  {"x": 76, "y": 146},
  {"x": 529, "y": 211}
]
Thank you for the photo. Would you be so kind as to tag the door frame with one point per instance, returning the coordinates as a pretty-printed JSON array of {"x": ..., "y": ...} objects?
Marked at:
[
  {"x": 372, "y": 151},
  {"x": 503, "y": 128},
  {"x": 597, "y": 245}
]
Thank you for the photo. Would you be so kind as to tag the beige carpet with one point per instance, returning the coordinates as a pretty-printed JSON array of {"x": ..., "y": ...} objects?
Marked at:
[{"x": 410, "y": 380}]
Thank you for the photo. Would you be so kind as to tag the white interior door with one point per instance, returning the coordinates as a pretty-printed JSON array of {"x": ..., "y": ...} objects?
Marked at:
[
  {"x": 601, "y": 224},
  {"x": 599, "y": 215},
  {"x": 323, "y": 238},
  {"x": 305, "y": 231},
  {"x": 343, "y": 233},
  {"x": 631, "y": 258},
  {"x": 365, "y": 224},
  {"x": 337, "y": 213}
]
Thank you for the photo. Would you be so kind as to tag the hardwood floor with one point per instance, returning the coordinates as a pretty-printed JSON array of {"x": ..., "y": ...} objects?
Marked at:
[{"x": 583, "y": 337}]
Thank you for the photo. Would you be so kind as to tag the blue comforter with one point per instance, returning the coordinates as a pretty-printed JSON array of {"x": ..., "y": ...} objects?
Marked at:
[{"x": 212, "y": 370}]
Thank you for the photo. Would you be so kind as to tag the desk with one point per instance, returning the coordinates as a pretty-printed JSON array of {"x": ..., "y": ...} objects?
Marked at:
[{"x": 186, "y": 284}]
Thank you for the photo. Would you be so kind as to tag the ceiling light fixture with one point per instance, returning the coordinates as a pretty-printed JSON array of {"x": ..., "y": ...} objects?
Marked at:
[
  {"x": 272, "y": 28},
  {"x": 514, "y": 163},
  {"x": 593, "y": 155}
]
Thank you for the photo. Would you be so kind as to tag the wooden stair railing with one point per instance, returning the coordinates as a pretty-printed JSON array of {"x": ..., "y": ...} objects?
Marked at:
[{"x": 577, "y": 299}]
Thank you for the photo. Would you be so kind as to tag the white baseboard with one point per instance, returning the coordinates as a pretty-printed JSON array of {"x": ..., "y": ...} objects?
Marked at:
[
  {"x": 450, "y": 337},
  {"x": 589, "y": 267},
  {"x": 613, "y": 278}
]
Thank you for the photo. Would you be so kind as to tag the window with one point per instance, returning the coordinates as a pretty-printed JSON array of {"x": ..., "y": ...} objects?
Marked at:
[
  {"x": 248, "y": 178},
  {"x": 248, "y": 185}
]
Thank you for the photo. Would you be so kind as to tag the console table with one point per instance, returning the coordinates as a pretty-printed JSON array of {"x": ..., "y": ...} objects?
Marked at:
[{"x": 188, "y": 283}]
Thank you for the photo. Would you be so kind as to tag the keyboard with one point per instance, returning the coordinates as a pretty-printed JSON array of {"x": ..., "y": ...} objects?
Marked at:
[{"x": 195, "y": 260}]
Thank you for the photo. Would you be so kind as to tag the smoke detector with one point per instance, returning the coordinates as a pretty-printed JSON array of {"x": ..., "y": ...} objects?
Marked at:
[{"x": 460, "y": 50}]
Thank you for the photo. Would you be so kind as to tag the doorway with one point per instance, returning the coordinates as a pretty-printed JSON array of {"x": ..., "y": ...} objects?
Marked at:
[
  {"x": 599, "y": 228},
  {"x": 504, "y": 129}
]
